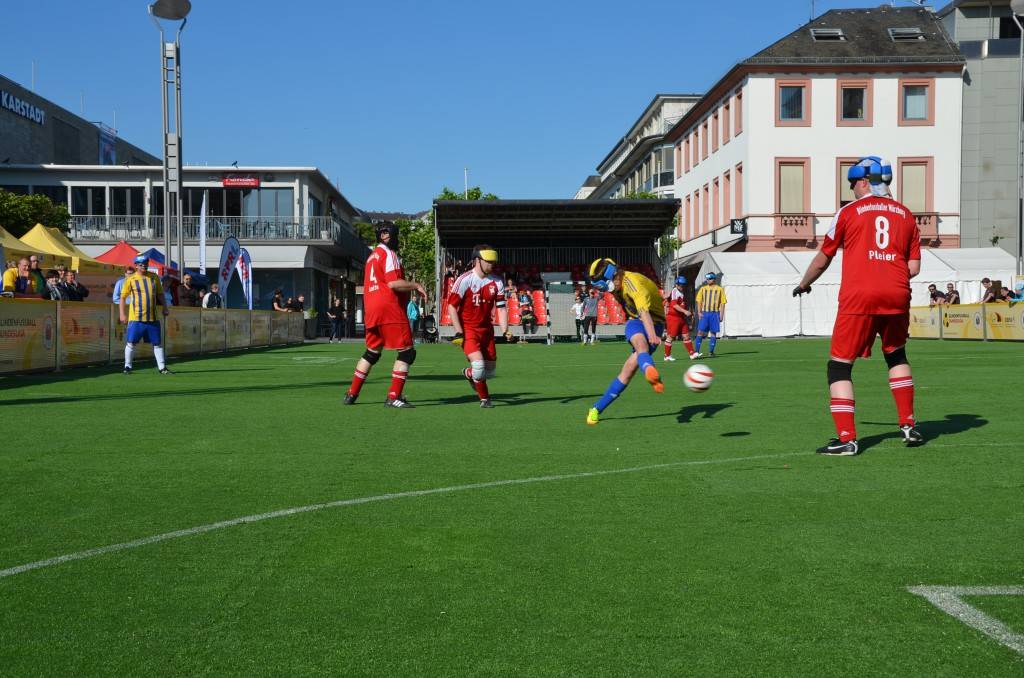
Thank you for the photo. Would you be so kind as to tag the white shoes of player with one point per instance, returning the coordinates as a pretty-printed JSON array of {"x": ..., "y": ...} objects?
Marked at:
[
  {"x": 669, "y": 359},
  {"x": 695, "y": 355}
]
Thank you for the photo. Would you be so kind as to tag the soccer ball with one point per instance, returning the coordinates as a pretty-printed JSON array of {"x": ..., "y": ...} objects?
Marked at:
[{"x": 698, "y": 378}]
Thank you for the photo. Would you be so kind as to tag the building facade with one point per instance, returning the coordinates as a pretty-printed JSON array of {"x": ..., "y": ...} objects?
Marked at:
[
  {"x": 34, "y": 130},
  {"x": 989, "y": 39},
  {"x": 297, "y": 226},
  {"x": 642, "y": 161},
  {"x": 761, "y": 159}
]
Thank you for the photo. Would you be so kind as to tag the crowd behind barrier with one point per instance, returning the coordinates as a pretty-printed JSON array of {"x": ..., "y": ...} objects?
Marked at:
[
  {"x": 40, "y": 336},
  {"x": 1001, "y": 321}
]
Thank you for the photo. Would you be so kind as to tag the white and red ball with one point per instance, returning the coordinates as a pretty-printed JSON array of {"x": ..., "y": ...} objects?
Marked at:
[{"x": 698, "y": 377}]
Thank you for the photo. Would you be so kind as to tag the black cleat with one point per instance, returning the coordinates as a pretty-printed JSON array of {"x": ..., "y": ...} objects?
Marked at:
[
  {"x": 486, "y": 404},
  {"x": 127, "y": 369},
  {"x": 349, "y": 399},
  {"x": 911, "y": 436},
  {"x": 166, "y": 371},
  {"x": 837, "y": 448},
  {"x": 400, "y": 401}
]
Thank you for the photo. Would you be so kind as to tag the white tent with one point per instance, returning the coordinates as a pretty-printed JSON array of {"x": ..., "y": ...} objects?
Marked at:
[{"x": 759, "y": 286}]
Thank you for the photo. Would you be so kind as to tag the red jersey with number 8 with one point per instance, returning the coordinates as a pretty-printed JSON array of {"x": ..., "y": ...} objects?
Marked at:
[
  {"x": 878, "y": 237},
  {"x": 474, "y": 298},
  {"x": 381, "y": 304}
]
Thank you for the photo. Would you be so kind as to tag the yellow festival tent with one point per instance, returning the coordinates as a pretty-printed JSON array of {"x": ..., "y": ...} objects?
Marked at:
[
  {"x": 15, "y": 249},
  {"x": 53, "y": 241}
]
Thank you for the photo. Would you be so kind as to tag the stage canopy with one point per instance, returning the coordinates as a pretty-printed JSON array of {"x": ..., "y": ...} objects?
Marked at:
[
  {"x": 53, "y": 241},
  {"x": 15, "y": 249},
  {"x": 121, "y": 254}
]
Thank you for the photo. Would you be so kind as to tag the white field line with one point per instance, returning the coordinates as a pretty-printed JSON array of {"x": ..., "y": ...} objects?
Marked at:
[
  {"x": 949, "y": 600},
  {"x": 259, "y": 517}
]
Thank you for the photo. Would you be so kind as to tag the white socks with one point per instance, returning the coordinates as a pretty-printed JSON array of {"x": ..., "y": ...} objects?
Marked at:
[
  {"x": 158, "y": 353},
  {"x": 129, "y": 351}
]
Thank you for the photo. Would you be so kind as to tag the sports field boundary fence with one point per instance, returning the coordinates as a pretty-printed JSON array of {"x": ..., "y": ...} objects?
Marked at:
[
  {"x": 978, "y": 322},
  {"x": 48, "y": 336}
]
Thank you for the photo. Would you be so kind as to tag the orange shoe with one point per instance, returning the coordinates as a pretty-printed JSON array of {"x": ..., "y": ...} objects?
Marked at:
[{"x": 654, "y": 379}]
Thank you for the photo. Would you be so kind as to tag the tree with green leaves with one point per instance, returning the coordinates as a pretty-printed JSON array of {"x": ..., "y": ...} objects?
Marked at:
[
  {"x": 474, "y": 193},
  {"x": 20, "y": 213}
]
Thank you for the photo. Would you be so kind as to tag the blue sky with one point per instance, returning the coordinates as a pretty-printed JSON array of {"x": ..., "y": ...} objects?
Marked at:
[{"x": 392, "y": 99}]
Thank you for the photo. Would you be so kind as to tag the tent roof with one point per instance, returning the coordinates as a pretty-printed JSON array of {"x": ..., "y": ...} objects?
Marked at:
[
  {"x": 53, "y": 241},
  {"x": 978, "y": 262},
  {"x": 751, "y": 268},
  {"x": 121, "y": 254},
  {"x": 156, "y": 255},
  {"x": 802, "y": 259}
]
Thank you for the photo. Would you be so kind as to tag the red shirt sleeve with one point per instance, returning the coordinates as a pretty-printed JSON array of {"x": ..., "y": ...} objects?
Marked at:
[
  {"x": 455, "y": 296},
  {"x": 834, "y": 238},
  {"x": 914, "y": 251}
]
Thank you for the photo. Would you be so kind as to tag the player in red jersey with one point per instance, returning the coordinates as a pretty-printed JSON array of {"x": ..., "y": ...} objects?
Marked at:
[
  {"x": 881, "y": 253},
  {"x": 385, "y": 296},
  {"x": 677, "y": 317},
  {"x": 474, "y": 295}
]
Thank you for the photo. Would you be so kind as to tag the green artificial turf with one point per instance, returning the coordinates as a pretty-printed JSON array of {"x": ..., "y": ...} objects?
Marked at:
[{"x": 769, "y": 561}]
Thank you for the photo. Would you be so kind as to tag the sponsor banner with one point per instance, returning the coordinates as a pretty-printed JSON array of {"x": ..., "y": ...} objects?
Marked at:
[
  {"x": 279, "y": 327},
  {"x": 964, "y": 321},
  {"x": 142, "y": 349},
  {"x": 244, "y": 266},
  {"x": 183, "y": 331},
  {"x": 228, "y": 260},
  {"x": 1005, "y": 321},
  {"x": 260, "y": 333},
  {"x": 296, "y": 327},
  {"x": 84, "y": 333},
  {"x": 202, "y": 238},
  {"x": 28, "y": 335},
  {"x": 237, "y": 328},
  {"x": 240, "y": 181},
  {"x": 214, "y": 324},
  {"x": 925, "y": 322}
]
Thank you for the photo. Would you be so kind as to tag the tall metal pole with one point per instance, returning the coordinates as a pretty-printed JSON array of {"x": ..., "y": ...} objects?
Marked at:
[
  {"x": 1015, "y": 8},
  {"x": 177, "y": 130}
]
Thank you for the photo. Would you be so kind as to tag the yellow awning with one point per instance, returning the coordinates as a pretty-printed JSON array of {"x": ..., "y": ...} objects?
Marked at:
[
  {"x": 53, "y": 241},
  {"x": 15, "y": 249}
]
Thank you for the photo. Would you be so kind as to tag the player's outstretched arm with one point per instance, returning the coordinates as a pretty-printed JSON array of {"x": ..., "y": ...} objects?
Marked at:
[
  {"x": 401, "y": 285},
  {"x": 818, "y": 266},
  {"x": 914, "y": 267},
  {"x": 503, "y": 320}
]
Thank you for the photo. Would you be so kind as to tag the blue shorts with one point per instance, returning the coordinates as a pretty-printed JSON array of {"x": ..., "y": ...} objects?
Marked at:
[
  {"x": 636, "y": 326},
  {"x": 709, "y": 322},
  {"x": 141, "y": 331}
]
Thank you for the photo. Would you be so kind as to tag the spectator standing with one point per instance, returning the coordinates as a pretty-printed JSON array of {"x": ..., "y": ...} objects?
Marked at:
[
  {"x": 989, "y": 295},
  {"x": 590, "y": 306},
  {"x": 297, "y": 304},
  {"x": 412, "y": 311},
  {"x": 170, "y": 287},
  {"x": 54, "y": 290},
  {"x": 212, "y": 299},
  {"x": 526, "y": 315},
  {"x": 577, "y": 312},
  {"x": 119, "y": 285},
  {"x": 337, "y": 315},
  {"x": 187, "y": 294},
  {"x": 35, "y": 270},
  {"x": 952, "y": 295},
  {"x": 278, "y": 302},
  {"x": 20, "y": 282},
  {"x": 935, "y": 297}
]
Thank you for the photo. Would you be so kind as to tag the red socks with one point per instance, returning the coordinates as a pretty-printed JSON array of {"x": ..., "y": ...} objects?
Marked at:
[
  {"x": 357, "y": 382},
  {"x": 668, "y": 347},
  {"x": 688, "y": 343},
  {"x": 903, "y": 394},
  {"x": 479, "y": 386},
  {"x": 842, "y": 415},
  {"x": 397, "y": 384}
]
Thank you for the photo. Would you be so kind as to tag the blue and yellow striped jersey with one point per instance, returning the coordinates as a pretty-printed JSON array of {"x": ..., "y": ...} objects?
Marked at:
[
  {"x": 146, "y": 293},
  {"x": 711, "y": 298},
  {"x": 639, "y": 293}
]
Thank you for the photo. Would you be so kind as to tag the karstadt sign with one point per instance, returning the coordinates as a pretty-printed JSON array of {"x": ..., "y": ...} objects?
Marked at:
[{"x": 22, "y": 108}]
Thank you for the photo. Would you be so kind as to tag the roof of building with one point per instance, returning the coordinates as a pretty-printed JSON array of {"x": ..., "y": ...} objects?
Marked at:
[
  {"x": 655, "y": 102},
  {"x": 866, "y": 39},
  {"x": 577, "y": 219}
]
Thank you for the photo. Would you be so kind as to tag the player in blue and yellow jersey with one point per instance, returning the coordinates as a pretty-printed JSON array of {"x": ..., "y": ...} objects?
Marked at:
[
  {"x": 711, "y": 313},
  {"x": 144, "y": 292},
  {"x": 645, "y": 311}
]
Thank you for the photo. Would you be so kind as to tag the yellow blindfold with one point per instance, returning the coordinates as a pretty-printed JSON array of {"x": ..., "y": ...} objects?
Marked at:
[{"x": 488, "y": 255}]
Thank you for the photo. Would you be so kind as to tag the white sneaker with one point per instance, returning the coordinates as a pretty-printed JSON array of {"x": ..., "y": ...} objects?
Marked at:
[
  {"x": 695, "y": 355},
  {"x": 669, "y": 359}
]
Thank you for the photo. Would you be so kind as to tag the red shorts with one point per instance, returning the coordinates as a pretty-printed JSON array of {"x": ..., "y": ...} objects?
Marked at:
[
  {"x": 480, "y": 340},
  {"x": 392, "y": 336},
  {"x": 853, "y": 335},
  {"x": 676, "y": 326}
]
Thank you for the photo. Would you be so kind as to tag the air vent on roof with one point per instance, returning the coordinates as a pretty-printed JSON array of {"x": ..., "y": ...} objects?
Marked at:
[
  {"x": 906, "y": 34},
  {"x": 828, "y": 34}
]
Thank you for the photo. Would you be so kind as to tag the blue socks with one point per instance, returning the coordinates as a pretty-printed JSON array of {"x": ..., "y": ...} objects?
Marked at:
[
  {"x": 696, "y": 342},
  {"x": 643, "y": 360},
  {"x": 712, "y": 341},
  {"x": 614, "y": 389}
]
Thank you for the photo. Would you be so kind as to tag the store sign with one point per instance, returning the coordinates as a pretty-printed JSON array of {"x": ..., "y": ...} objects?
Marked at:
[
  {"x": 738, "y": 226},
  {"x": 22, "y": 108},
  {"x": 240, "y": 181}
]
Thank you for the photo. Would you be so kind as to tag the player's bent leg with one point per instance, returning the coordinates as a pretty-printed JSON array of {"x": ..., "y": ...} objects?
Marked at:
[
  {"x": 362, "y": 371},
  {"x": 901, "y": 383},
  {"x": 841, "y": 405},
  {"x": 688, "y": 343},
  {"x": 614, "y": 390},
  {"x": 399, "y": 372},
  {"x": 645, "y": 363},
  {"x": 129, "y": 353}
]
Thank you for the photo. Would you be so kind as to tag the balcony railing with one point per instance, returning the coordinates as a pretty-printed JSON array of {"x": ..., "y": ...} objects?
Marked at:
[
  {"x": 794, "y": 227},
  {"x": 86, "y": 227},
  {"x": 928, "y": 225}
]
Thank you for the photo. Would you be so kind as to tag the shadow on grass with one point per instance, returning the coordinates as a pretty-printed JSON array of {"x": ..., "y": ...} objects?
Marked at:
[
  {"x": 931, "y": 430},
  {"x": 505, "y": 399},
  {"x": 684, "y": 415}
]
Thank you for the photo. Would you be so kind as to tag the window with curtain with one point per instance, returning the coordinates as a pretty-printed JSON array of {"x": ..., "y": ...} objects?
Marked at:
[
  {"x": 915, "y": 102},
  {"x": 914, "y": 187},
  {"x": 791, "y": 188},
  {"x": 845, "y": 192},
  {"x": 854, "y": 99},
  {"x": 791, "y": 102}
]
